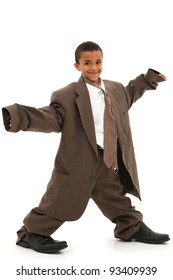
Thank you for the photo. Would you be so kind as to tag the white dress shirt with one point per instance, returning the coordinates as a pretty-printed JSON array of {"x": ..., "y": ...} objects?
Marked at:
[{"x": 98, "y": 107}]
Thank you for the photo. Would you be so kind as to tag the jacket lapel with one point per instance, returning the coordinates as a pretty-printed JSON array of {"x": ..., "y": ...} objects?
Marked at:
[{"x": 84, "y": 106}]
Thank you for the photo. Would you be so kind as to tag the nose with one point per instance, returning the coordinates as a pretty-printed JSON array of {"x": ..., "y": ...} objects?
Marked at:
[{"x": 93, "y": 66}]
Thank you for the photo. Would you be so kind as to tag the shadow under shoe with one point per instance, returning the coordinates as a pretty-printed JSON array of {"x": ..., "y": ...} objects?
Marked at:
[{"x": 42, "y": 244}]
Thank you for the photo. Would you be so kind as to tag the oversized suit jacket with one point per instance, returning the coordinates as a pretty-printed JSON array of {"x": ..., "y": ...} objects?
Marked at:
[{"x": 69, "y": 112}]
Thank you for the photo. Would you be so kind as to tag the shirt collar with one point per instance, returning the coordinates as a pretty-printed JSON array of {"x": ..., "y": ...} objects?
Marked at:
[{"x": 94, "y": 87}]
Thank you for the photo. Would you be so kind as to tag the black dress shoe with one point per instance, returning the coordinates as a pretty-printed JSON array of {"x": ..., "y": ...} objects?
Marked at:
[
  {"x": 41, "y": 244},
  {"x": 146, "y": 235}
]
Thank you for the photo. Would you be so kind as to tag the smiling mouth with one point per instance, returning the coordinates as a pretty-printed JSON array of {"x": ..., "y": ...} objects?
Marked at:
[{"x": 93, "y": 73}]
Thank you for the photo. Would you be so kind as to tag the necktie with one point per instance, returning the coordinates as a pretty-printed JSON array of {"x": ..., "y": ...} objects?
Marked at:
[
  {"x": 110, "y": 134},
  {"x": 110, "y": 131}
]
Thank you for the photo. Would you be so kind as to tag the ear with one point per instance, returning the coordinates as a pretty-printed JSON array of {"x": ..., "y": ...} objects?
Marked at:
[{"x": 77, "y": 66}]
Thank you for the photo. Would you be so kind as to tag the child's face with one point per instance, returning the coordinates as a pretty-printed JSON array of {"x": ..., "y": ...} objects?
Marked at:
[{"x": 90, "y": 64}]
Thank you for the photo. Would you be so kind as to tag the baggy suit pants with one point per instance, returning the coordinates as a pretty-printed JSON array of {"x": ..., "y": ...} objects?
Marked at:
[{"x": 117, "y": 207}]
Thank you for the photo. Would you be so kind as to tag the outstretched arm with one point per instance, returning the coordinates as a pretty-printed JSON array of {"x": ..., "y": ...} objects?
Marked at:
[
  {"x": 136, "y": 88},
  {"x": 20, "y": 117}
]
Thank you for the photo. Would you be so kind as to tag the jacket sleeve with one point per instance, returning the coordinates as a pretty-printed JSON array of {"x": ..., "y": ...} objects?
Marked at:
[
  {"x": 46, "y": 119},
  {"x": 136, "y": 88}
]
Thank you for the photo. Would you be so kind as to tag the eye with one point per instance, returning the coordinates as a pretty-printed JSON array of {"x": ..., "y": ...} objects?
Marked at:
[
  {"x": 87, "y": 63},
  {"x": 99, "y": 62}
]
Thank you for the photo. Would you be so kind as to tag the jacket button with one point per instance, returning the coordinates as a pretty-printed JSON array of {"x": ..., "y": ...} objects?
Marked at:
[
  {"x": 92, "y": 179},
  {"x": 95, "y": 160}
]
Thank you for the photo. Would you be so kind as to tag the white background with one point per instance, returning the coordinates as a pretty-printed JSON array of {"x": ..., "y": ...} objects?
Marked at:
[{"x": 38, "y": 40}]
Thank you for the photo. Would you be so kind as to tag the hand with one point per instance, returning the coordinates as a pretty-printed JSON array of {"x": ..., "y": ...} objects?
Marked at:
[
  {"x": 163, "y": 77},
  {"x": 10, "y": 124}
]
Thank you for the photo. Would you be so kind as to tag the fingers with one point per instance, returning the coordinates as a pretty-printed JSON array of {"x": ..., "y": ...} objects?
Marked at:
[{"x": 163, "y": 77}]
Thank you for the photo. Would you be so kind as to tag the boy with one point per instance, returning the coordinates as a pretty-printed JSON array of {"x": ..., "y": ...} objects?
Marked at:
[{"x": 85, "y": 167}]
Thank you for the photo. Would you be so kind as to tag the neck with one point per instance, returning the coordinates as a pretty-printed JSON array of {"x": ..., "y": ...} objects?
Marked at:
[{"x": 92, "y": 83}]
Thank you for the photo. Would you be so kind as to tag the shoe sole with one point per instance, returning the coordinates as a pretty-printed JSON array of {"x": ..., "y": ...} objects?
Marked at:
[
  {"x": 152, "y": 241},
  {"x": 148, "y": 241},
  {"x": 48, "y": 251}
]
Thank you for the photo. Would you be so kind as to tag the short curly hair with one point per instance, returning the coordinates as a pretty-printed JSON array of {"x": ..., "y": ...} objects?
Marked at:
[{"x": 84, "y": 47}]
